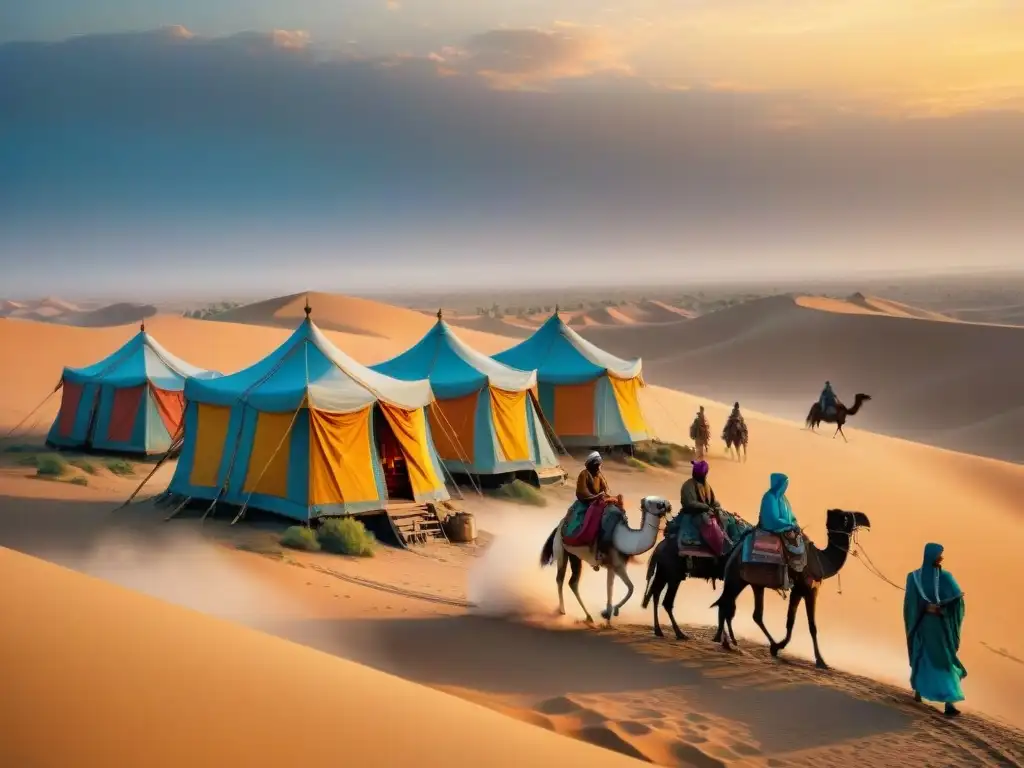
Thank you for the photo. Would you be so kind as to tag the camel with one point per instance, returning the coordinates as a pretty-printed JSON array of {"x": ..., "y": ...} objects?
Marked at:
[
  {"x": 735, "y": 436},
  {"x": 626, "y": 544},
  {"x": 821, "y": 565},
  {"x": 667, "y": 569},
  {"x": 816, "y": 417}
]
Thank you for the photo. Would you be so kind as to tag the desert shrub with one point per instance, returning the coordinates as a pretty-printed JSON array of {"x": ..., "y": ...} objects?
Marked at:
[
  {"x": 346, "y": 536},
  {"x": 663, "y": 454},
  {"x": 50, "y": 465},
  {"x": 79, "y": 480},
  {"x": 300, "y": 537},
  {"x": 120, "y": 467},
  {"x": 85, "y": 465},
  {"x": 519, "y": 492},
  {"x": 635, "y": 463}
]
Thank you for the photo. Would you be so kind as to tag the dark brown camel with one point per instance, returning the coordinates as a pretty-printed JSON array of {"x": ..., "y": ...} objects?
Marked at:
[
  {"x": 735, "y": 436},
  {"x": 666, "y": 570},
  {"x": 821, "y": 565},
  {"x": 816, "y": 417}
]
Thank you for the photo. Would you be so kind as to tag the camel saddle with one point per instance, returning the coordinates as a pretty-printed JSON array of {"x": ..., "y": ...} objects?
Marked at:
[{"x": 786, "y": 551}]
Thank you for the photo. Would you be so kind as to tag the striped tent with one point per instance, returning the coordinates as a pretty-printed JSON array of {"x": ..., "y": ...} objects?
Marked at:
[
  {"x": 591, "y": 397},
  {"x": 308, "y": 432},
  {"x": 129, "y": 402},
  {"x": 484, "y": 419}
]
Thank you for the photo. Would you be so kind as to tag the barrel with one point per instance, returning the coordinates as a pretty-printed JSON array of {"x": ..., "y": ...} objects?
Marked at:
[{"x": 460, "y": 527}]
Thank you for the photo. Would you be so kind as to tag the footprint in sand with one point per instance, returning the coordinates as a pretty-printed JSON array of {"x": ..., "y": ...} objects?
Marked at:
[
  {"x": 633, "y": 728},
  {"x": 696, "y": 717}
]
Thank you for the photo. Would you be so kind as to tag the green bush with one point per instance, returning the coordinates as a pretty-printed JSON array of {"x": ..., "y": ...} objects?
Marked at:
[
  {"x": 346, "y": 536},
  {"x": 29, "y": 460},
  {"x": 519, "y": 492},
  {"x": 85, "y": 465},
  {"x": 50, "y": 465},
  {"x": 300, "y": 537},
  {"x": 635, "y": 463},
  {"x": 120, "y": 467},
  {"x": 79, "y": 480}
]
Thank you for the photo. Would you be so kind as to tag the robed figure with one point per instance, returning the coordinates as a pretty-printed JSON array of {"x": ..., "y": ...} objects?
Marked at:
[{"x": 933, "y": 613}]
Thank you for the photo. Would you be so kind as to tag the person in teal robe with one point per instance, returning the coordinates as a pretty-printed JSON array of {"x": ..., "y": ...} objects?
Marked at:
[
  {"x": 933, "y": 615},
  {"x": 776, "y": 513}
]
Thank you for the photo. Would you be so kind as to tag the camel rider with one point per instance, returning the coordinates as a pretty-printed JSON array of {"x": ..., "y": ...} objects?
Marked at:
[
  {"x": 828, "y": 399},
  {"x": 591, "y": 486},
  {"x": 735, "y": 418},
  {"x": 698, "y": 506},
  {"x": 776, "y": 513}
]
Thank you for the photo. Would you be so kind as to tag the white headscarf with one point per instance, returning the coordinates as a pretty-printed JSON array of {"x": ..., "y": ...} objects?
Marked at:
[{"x": 593, "y": 458}]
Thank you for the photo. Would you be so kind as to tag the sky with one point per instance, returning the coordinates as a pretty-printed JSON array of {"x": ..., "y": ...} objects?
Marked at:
[{"x": 152, "y": 147}]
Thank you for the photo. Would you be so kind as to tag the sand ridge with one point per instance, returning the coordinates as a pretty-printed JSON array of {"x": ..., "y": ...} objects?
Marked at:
[
  {"x": 912, "y": 493},
  {"x": 198, "y": 703}
]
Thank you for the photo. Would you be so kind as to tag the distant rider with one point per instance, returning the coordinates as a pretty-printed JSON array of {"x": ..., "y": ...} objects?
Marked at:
[{"x": 828, "y": 399}]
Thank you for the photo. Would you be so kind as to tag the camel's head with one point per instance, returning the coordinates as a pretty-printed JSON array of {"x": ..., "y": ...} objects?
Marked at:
[
  {"x": 846, "y": 522},
  {"x": 655, "y": 505},
  {"x": 861, "y": 397}
]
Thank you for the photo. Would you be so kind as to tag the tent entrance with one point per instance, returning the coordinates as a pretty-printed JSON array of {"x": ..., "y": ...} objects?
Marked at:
[{"x": 393, "y": 464}]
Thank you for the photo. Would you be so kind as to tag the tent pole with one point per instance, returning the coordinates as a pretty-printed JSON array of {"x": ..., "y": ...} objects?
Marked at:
[{"x": 178, "y": 508}]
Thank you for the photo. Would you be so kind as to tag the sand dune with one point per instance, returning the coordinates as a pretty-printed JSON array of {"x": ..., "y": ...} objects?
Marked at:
[
  {"x": 951, "y": 384},
  {"x": 112, "y": 670},
  {"x": 859, "y": 304},
  {"x": 610, "y": 690},
  {"x": 52, "y": 310}
]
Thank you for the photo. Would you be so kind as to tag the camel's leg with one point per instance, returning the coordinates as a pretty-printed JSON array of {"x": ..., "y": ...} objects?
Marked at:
[
  {"x": 759, "y": 613},
  {"x": 656, "y": 587},
  {"x": 811, "y": 606},
  {"x": 744, "y": 452},
  {"x": 620, "y": 571},
  {"x": 794, "y": 603},
  {"x": 574, "y": 583},
  {"x": 839, "y": 431},
  {"x": 606, "y": 614},
  {"x": 731, "y": 590},
  {"x": 563, "y": 561},
  {"x": 670, "y": 601}
]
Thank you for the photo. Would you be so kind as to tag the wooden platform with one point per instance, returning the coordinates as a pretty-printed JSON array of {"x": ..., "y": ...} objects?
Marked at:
[
  {"x": 551, "y": 476},
  {"x": 415, "y": 523}
]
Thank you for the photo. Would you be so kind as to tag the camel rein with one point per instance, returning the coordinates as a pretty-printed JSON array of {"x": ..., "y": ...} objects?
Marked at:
[{"x": 866, "y": 561}]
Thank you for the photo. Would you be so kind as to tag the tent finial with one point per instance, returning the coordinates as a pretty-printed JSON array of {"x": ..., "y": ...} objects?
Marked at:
[
  {"x": 440, "y": 314},
  {"x": 142, "y": 326},
  {"x": 307, "y": 309},
  {"x": 556, "y": 310}
]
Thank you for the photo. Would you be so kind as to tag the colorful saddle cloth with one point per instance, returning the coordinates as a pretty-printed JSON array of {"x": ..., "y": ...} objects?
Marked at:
[{"x": 582, "y": 530}]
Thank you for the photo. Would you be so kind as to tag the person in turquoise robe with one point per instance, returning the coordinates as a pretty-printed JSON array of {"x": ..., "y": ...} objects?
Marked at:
[
  {"x": 933, "y": 615},
  {"x": 776, "y": 513}
]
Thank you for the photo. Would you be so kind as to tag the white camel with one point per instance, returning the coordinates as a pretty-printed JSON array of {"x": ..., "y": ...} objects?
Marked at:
[{"x": 626, "y": 543}]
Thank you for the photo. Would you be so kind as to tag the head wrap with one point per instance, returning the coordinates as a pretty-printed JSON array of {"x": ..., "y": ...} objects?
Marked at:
[
  {"x": 700, "y": 468},
  {"x": 593, "y": 458}
]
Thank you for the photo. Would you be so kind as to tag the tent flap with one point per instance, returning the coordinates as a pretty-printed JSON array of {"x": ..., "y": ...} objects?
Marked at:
[
  {"x": 267, "y": 472},
  {"x": 210, "y": 443},
  {"x": 509, "y": 412},
  {"x": 341, "y": 458},
  {"x": 453, "y": 424},
  {"x": 124, "y": 411},
  {"x": 70, "y": 399},
  {"x": 627, "y": 397},
  {"x": 574, "y": 409},
  {"x": 410, "y": 429},
  {"x": 171, "y": 407}
]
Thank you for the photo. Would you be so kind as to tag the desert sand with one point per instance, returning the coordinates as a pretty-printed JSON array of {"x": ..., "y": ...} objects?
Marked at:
[
  {"x": 951, "y": 384},
  {"x": 476, "y": 621}
]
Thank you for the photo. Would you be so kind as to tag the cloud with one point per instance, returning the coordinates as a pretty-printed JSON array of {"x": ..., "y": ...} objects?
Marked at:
[
  {"x": 266, "y": 131},
  {"x": 511, "y": 58}
]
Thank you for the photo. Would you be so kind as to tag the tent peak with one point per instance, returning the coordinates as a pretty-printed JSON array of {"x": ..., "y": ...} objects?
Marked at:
[
  {"x": 440, "y": 314},
  {"x": 307, "y": 309}
]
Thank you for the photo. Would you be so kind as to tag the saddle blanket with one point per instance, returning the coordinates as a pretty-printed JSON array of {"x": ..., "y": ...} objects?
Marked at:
[
  {"x": 584, "y": 534},
  {"x": 773, "y": 549}
]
